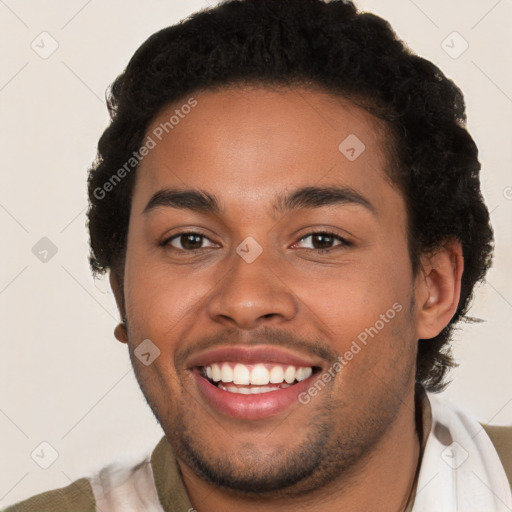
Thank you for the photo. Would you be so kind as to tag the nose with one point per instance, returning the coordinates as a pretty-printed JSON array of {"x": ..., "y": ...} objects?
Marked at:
[{"x": 252, "y": 294}]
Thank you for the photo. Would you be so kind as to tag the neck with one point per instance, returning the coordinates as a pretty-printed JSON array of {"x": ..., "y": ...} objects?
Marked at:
[{"x": 382, "y": 482}]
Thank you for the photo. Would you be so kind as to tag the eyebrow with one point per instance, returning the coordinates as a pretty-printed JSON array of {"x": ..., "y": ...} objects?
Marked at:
[{"x": 307, "y": 197}]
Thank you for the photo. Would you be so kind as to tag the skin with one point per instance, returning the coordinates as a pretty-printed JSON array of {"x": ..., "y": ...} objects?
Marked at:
[{"x": 355, "y": 445}]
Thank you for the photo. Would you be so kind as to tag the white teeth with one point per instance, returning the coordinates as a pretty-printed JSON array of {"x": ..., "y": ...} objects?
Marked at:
[
  {"x": 260, "y": 375},
  {"x": 276, "y": 375},
  {"x": 241, "y": 374},
  {"x": 253, "y": 391},
  {"x": 226, "y": 373},
  {"x": 303, "y": 373},
  {"x": 216, "y": 375},
  {"x": 257, "y": 375},
  {"x": 289, "y": 374}
]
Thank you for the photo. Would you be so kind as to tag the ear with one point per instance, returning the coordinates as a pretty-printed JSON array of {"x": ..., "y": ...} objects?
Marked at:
[
  {"x": 438, "y": 289},
  {"x": 116, "y": 284}
]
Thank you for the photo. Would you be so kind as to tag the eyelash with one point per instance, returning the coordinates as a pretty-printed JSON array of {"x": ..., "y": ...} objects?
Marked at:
[{"x": 344, "y": 242}]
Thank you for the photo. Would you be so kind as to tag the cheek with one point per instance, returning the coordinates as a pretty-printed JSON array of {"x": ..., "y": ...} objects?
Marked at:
[
  {"x": 364, "y": 310},
  {"x": 351, "y": 297},
  {"x": 163, "y": 303}
]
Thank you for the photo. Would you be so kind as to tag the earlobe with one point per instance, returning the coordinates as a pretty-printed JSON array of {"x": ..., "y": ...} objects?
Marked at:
[
  {"x": 438, "y": 289},
  {"x": 120, "y": 332}
]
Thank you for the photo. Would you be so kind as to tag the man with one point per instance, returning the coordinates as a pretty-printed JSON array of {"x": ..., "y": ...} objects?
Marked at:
[{"x": 289, "y": 207}]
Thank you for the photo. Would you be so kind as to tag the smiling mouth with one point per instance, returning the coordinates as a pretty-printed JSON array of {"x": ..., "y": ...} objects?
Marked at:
[{"x": 253, "y": 379}]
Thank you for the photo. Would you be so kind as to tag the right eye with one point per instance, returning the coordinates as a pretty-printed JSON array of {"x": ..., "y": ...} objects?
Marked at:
[{"x": 187, "y": 241}]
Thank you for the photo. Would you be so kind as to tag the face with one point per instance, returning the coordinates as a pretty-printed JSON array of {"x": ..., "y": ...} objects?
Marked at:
[{"x": 267, "y": 248}]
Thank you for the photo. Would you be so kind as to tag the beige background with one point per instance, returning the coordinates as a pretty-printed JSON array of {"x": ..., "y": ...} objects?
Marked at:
[{"x": 64, "y": 379}]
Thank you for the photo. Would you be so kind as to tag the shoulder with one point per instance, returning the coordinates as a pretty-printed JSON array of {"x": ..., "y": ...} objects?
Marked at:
[
  {"x": 125, "y": 484},
  {"x": 501, "y": 438},
  {"x": 77, "y": 496}
]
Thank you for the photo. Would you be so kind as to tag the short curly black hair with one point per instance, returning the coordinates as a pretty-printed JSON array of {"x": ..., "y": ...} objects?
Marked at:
[{"x": 328, "y": 45}]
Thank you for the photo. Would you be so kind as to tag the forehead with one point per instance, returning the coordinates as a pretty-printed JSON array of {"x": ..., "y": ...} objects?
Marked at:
[{"x": 248, "y": 144}]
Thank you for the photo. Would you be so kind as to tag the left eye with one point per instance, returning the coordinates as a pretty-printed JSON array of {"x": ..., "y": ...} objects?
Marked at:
[
  {"x": 188, "y": 241},
  {"x": 323, "y": 241}
]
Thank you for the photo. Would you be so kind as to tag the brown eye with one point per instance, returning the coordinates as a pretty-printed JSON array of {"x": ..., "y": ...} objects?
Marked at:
[
  {"x": 323, "y": 241},
  {"x": 187, "y": 241}
]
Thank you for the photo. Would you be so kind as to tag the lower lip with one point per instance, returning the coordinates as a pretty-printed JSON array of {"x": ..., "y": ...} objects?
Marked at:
[{"x": 251, "y": 407}]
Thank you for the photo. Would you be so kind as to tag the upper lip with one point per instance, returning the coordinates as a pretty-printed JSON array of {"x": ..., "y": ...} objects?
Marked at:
[{"x": 251, "y": 355}]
